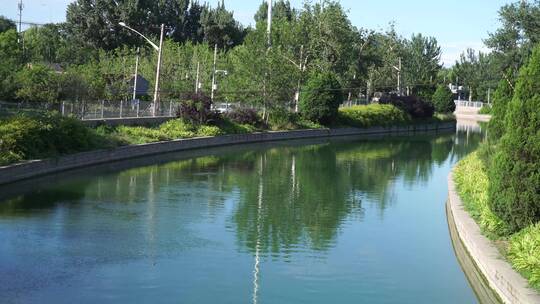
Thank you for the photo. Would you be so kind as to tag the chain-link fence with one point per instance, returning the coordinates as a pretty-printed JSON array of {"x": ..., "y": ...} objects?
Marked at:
[{"x": 103, "y": 109}]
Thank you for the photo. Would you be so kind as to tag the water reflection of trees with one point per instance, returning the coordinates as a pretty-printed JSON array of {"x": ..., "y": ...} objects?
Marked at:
[{"x": 287, "y": 198}]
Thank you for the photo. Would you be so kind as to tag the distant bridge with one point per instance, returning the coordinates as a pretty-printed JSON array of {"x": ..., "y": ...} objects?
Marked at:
[{"x": 469, "y": 110}]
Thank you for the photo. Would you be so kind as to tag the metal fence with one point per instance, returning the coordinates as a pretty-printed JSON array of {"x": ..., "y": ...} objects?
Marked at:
[
  {"x": 102, "y": 109},
  {"x": 471, "y": 104}
]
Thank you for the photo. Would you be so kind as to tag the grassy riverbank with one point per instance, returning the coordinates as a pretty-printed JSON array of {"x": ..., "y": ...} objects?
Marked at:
[
  {"x": 27, "y": 137},
  {"x": 522, "y": 249}
]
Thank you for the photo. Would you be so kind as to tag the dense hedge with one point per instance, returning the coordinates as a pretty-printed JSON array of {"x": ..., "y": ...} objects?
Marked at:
[
  {"x": 26, "y": 137},
  {"x": 501, "y": 98},
  {"x": 320, "y": 98},
  {"x": 515, "y": 168},
  {"x": 372, "y": 115}
]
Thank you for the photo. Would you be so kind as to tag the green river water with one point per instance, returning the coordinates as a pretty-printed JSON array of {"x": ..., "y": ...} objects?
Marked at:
[{"x": 342, "y": 220}]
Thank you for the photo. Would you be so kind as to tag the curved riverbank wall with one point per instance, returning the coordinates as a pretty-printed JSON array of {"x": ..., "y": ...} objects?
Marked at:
[
  {"x": 495, "y": 271},
  {"x": 17, "y": 172}
]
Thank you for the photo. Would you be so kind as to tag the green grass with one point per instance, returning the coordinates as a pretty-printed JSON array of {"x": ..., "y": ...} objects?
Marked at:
[
  {"x": 173, "y": 129},
  {"x": 472, "y": 185},
  {"x": 365, "y": 116},
  {"x": 524, "y": 254},
  {"x": 523, "y": 250}
]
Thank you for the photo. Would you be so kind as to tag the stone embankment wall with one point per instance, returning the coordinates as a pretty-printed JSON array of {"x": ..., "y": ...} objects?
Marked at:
[{"x": 35, "y": 168}]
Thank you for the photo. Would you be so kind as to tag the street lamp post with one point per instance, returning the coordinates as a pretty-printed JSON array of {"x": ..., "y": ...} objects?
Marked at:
[{"x": 159, "y": 49}]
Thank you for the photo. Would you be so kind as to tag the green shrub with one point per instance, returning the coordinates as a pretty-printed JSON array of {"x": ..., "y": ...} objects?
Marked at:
[
  {"x": 443, "y": 100},
  {"x": 283, "y": 119},
  {"x": 472, "y": 183},
  {"x": 244, "y": 116},
  {"x": 204, "y": 131},
  {"x": 229, "y": 127},
  {"x": 524, "y": 253},
  {"x": 320, "y": 98},
  {"x": 46, "y": 135},
  {"x": 372, "y": 115},
  {"x": 487, "y": 110},
  {"x": 177, "y": 128},
  {"x": 196, "y": 109},
  {"x": 514, "y": 173},
  {"x": 139, "y": 135},
  {"x": 501, "y": 98}
]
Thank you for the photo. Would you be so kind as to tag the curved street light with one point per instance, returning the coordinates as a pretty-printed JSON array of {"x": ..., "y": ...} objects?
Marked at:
[{"x": 159, "y": 49}]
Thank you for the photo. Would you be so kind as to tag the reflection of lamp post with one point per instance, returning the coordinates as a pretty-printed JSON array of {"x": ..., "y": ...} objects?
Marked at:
[
  {"x": 159, "y": 49},
  {"x": 256, "y": 267}
]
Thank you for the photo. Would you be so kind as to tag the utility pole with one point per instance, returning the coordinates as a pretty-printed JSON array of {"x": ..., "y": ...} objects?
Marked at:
[
  {"x": 301, "y": 67},
  {"x": 457, "y": 88},
  {"x": 269, "y": 25},
  {"x": 197, "y": 78},
  {"x": 398, "y": 69},
  {"x": 160, "y": 53},
  {"x": 214, "y": 74},
  {"x": 350, "y": 93},
  {"x": 136, "y": 75},
  {"x": 20, "y": 7}
]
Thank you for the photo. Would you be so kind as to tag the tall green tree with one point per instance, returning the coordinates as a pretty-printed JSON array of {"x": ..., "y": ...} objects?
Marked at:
[
  {"x": 514, "y": 173},
  {"x": 512, "y": 43},
  {"x": 501, "y": 98},
  {"x": 421, "y": 63},
  {"x": 6, "y": 24},
  {"x": 281, "y": 10},
  {"x": 476, "y": 71},
  {"x": 11, "y": 62},
  {"x": 443, "y": 100},
  {"x": 37, "y": 83},
  {"x": 220, "y": 28},
  {"x": 95, "y": 22}
]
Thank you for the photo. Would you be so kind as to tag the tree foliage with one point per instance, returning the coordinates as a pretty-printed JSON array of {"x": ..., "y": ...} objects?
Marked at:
[
  {"x": 512, "y": 43},
  {"x": 515, "y": 170},
  {"x": 443, "y": 100},
  {"x": 11, "y": 61},
  {"x": 96, "y": 22},
  {"x": 37, "y": 83},
  {"x": 321, "y": 97},
  {"x": 501, "y": 98},
  {"x": 6, "y": 24}
]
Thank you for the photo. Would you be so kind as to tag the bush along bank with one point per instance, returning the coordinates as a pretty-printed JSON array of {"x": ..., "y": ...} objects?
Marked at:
[
  {"x": 500, "y": 184},
  {"x": 36, "y": 136},
  {"x": 522, "y": 249}
]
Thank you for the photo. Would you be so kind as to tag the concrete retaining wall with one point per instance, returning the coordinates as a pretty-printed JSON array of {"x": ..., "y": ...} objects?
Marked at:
[
  {"x": 31, "y": 169},
  {"x": 510, "y": 286}
]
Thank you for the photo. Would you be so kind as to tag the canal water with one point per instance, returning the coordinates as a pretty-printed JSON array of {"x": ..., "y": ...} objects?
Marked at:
[{"x": 320, "y": 221}]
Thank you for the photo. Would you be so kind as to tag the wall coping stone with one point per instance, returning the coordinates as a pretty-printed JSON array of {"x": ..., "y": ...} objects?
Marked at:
[{"x": 511, "y": 287}]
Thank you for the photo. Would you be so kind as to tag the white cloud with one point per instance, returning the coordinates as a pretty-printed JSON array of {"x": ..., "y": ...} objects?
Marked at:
[{"x": 453, "y": 50}]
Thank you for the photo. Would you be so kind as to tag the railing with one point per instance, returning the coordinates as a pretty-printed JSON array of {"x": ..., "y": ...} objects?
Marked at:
[
  {"x": 471, "y": 104},
  {"x": 102, "y": 109}
]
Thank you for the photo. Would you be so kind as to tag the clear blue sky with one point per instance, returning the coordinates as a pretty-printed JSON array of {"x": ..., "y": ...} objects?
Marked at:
[{"x": 457, "y": 24}]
